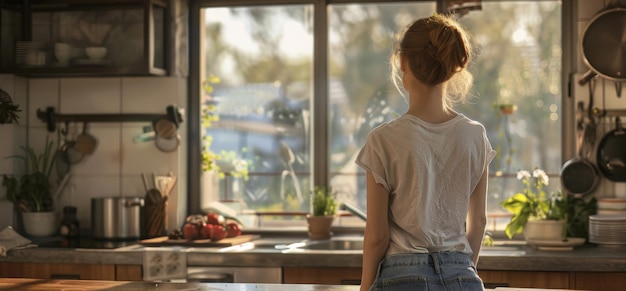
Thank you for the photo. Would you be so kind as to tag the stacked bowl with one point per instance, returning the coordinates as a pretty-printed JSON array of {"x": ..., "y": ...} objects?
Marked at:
[{"x": 611, "y": 206}]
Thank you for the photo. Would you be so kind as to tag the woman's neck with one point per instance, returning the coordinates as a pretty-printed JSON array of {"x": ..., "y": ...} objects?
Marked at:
[{"x": 427, "y": 104}]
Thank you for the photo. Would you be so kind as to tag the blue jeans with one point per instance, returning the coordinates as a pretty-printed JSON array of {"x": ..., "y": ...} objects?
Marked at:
[{"x": 447, "y": 271}]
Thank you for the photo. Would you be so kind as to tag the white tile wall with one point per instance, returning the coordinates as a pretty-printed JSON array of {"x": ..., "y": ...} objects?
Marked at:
[{"x": 115, "y": 168}]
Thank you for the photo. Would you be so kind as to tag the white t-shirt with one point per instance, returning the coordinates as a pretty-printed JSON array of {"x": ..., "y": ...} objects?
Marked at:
[{"x": 430, "y": 171}]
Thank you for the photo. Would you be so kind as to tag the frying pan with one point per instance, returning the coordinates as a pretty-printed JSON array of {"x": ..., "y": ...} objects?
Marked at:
[
  {"x": 578, "y": 174},
  {"x": 602, "y": 45},
  {"x": 611, "y": 153}
]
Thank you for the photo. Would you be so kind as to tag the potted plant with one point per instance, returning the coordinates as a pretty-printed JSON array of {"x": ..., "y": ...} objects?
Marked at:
[
  {"x": 324, "y": 209},
  {"x": 32, "y": 192},
  {"x": 539, "y": 215}
]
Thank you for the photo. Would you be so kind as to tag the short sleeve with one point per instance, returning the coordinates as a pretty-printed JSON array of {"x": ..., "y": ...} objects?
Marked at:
[
  {"x": 371, "y": 158},
  {"x": 489, "y": 152}
]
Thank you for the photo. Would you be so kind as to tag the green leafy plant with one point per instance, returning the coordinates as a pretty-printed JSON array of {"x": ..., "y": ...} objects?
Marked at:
[
  {"x": 8, "y": 112},
  {"x": 31, "y": 193},
  {"x": 533, "y": 202},
  {"x": 324, "y": 203},
  {"x": 224, "y": 162}
]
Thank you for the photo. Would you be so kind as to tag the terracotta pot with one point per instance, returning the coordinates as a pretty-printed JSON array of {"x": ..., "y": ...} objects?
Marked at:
[
  {"x": 319, "y": 227},
  {"x": 542, "y": 230}
]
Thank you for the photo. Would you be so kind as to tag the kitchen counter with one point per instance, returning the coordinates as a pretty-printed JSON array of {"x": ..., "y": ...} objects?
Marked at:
[
  {"x": 58, "y": 285},
  {"x": 52, "y": 285},
  {"x": 588, "y": 258}
]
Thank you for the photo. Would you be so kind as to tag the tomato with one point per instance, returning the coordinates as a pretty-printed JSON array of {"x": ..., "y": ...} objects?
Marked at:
[
  {"x": 218, "y": 232},
  {"x": 233, "y": 229},
  {"x": 215, "y": 219},
  {"x": 205, "y": 231},
  {"x": 190, "y": 231}
]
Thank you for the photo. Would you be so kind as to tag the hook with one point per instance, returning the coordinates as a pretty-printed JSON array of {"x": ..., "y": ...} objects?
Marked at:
[{"x": 64, "y": 130}]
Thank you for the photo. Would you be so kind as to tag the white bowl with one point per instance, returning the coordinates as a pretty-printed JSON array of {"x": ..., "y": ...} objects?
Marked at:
[
  {"x": 612, "y": 203},
  {"x": 96, "y": 52}
]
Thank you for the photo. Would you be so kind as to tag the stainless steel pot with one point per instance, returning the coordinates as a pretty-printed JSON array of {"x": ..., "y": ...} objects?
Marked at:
[{"x": 116, "y": 217}]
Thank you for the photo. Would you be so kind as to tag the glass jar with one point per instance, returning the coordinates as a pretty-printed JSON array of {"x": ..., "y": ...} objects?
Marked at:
[{"x": 69, "y": 224}]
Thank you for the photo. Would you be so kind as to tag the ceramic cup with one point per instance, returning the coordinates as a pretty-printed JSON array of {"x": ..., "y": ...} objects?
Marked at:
[{"x": 62, "y": 52}]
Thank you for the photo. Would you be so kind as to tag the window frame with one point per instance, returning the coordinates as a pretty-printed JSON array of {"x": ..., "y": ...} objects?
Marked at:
[{"x": 320, "y": 169}]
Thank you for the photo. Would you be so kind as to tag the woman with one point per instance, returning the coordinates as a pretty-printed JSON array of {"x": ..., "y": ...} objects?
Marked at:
[{"x": 427, "y": 171}]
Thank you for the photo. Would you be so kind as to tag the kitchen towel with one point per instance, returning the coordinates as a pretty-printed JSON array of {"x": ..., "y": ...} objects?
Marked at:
[{"x": 11, "y": 240}]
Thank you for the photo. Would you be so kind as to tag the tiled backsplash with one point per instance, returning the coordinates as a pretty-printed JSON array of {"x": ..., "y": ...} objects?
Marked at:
[{"x": 115, "y": 168}]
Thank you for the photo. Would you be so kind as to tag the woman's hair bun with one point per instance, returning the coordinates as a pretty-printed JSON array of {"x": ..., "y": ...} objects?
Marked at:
[{"x": 436, "y": 48}]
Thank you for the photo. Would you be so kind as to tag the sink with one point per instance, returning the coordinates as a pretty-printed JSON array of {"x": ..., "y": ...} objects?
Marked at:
[
  {"x": 273, "y": 245},
  {"x": 334, "y": 245}
]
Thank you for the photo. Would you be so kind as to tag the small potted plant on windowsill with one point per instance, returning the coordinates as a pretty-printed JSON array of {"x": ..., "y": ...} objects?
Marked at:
[
  {"x": 537, "y": 214},
  {"x": 324, "y": 209},
  {"x": 32, "y": 193}
]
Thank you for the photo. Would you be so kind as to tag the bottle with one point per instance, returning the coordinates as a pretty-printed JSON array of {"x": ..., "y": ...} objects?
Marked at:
[{"x": 69, "y": 224}]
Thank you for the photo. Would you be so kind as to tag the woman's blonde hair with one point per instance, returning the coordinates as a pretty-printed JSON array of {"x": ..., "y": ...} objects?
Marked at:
[{"x": 438, "y": 50}]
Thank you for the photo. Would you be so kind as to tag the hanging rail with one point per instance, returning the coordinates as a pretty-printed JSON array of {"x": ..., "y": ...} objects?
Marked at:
[
  {"x": 609, "y": 112},
  {"x": 173, "y": 114}
]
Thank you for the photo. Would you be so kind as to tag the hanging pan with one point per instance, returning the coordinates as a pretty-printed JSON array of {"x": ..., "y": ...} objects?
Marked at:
[
  {"x": 611, "y": 153},
  {"x": 603, "y": 45},
  {"x": 578, "y": 175}
]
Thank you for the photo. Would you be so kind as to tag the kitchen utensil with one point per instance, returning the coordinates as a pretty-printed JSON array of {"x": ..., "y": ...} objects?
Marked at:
[
  {"x": 602, "y": 44},
  {"x": 145, "y": 182},
  {"x": 165, "y": 129},
  {"x": 579, "y": 175},
  {"x": 611, "y": 153},
  {"x": 116, "y": 217},
  {"x": 69, "y": 152},
  {"x": 85, "y": 143},
  {"x": 167, "y": 145}
]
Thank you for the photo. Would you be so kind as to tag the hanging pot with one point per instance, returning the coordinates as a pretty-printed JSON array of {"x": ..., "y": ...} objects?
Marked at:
[
  {"x": 611, "y": 153},
  {"x": 602, "y": 45}
]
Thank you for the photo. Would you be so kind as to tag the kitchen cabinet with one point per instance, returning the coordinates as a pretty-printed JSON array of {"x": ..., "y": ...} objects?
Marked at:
[
  {"x": 128, "y": 272},
  {"x": 71, "y": 271},
  {"x": 316, "y": 275},
  {"x": 599, "y": 281},
  {"x": 57, "y": 271},
  {"x": 525, "y": 279},
  {"x": 42, "y": 38}
]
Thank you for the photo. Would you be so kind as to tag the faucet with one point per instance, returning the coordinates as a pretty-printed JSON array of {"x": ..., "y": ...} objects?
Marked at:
[{"x": 354, "y": 210}]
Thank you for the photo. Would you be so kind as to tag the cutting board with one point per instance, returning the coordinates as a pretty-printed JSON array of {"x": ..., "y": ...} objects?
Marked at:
[{"x": 165, "y": 241}]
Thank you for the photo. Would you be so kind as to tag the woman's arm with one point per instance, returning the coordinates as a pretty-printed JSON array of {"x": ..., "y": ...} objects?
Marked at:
[
  {"x": 477, "y": 216},
  {"x": 376, "y": 237}
]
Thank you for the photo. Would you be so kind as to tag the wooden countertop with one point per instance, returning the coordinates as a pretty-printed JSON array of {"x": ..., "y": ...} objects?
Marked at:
[{"x": 76, "y": 285}]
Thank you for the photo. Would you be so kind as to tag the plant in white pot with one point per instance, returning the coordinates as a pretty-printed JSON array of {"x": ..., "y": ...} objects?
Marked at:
[
  {"x": 31, "y": 193},
  {"x": 537, "y": 214},
  {"x": 324, "y": 209}
]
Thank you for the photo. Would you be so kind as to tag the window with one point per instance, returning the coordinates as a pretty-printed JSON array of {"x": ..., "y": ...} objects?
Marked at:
[{"x": 265, "y": 58}]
